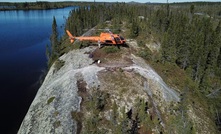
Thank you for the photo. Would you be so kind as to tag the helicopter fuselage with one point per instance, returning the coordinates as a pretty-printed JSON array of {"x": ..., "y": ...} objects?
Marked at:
[{"x": 104, "y": 38}]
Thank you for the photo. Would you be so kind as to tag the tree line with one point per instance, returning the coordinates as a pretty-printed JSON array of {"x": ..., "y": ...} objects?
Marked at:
[
  {"x": 190, "y": 37},
  {"x": 38, "y": 5}
]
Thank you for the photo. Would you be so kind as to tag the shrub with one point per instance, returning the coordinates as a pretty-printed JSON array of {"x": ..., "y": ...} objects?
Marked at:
[
  {"x": 111, "y": 49},
  {"x": 50, "y": 100},
  {"x": 145, "y": 53}
]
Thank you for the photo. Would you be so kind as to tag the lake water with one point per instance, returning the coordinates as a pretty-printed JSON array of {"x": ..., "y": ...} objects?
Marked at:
[{"x": 23, "y": 39}]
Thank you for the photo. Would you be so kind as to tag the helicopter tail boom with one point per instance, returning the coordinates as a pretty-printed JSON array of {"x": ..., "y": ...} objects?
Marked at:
[{"x": 71, "y": 37}]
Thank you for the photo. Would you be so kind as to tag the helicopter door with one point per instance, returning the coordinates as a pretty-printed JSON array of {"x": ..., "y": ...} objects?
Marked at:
[{"x": 117, "y": 40}]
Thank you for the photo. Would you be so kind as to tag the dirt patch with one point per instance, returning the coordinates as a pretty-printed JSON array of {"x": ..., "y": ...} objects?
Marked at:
[
  {"x": 98, "y": 54},
  {"x": 78, "y": 117},
  {"x": 120, "y": 84},
  {"x": 81, "y": 84},
  {"x": 117, "y": 59},
  {"x": 82, "y": 90}
]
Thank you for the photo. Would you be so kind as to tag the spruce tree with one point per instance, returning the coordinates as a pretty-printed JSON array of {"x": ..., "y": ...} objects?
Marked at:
[{"x": 54, "y": 48}]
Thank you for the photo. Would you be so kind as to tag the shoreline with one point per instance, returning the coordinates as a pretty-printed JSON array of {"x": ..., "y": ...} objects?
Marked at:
[
  {"x": 8, "y": 6},
  {"x": 25, "y": 9}
]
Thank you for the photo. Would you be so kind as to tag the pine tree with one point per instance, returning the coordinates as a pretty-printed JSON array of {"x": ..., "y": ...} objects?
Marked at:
[
  {"x": 54, "y": 49},
  {"x": 192, "y": 7},
  {"x": 134, "y": 31}
]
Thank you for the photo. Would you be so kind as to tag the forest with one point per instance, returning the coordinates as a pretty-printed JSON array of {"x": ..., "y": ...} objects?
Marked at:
[
  {"x": 38, "y": 5},
  {"x": 190, "y": 38}
]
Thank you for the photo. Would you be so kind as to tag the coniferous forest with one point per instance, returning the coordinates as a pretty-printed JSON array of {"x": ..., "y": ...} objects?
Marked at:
[{"x": 190, "y": 38}]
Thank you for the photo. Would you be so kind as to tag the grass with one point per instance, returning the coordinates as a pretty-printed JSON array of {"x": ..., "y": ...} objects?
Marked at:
[
  {"x": 111, "y": 49},
  {"x": 145, "y": 54},
  {"x": 66, "y": 45},
  {"x": 178, "y": 79},
  {"x": 171, "y": 74}
]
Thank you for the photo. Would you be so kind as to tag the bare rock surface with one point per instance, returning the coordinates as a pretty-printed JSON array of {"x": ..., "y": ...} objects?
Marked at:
[
  {"x": 154, "y": 79},
  {"x": 51, "y": 110},
  {"x": 64, "y": 102}
]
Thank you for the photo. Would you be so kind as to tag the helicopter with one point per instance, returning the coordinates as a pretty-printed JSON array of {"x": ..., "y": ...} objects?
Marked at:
[{"x": 106, "y": 38}]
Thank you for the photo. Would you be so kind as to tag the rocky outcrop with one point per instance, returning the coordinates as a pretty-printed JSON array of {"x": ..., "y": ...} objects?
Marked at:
[
  {"x": 50, "y": 112},
  {"x": 77, "y": 90},
  {"x": 58, "y": 96}
]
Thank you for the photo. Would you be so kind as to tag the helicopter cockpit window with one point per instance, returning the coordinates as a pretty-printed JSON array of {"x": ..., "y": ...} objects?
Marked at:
[
  {"x": 121, "y": 38},
  {"x": 117, "y": 39}
]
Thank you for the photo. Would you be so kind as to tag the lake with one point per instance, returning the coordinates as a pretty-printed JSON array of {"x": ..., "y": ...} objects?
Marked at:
[{"x": 23, "y": 39}]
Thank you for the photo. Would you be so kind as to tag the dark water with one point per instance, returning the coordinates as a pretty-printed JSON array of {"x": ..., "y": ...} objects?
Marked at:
[{"x": 23, "y": 39}]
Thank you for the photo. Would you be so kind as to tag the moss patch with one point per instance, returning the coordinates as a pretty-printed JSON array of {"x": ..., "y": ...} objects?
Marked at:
[
  {"x": 57, "y": 124},
  {"x": 111, "y": 49},
  {"x": 50, "y": 100}
]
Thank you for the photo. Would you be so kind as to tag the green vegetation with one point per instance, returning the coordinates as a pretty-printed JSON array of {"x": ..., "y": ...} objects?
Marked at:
[
  {"x": 59, "y": 64},
  {"x": 50, "y": 100},
  {"x": 192, "y": 43},
  {"x": 57, "y": 124},
  {"x": 145, "y": 53},
  {"x": 81, "y": 44},
  {"x": 53, "y": 51},
  {"x": 38, "y": 5},
  {"x": 111, "y": 49},
  {"x": 190, "y": 54},
  {"x": 92, "y": 117},
  {"x": 32, "y": 5}
]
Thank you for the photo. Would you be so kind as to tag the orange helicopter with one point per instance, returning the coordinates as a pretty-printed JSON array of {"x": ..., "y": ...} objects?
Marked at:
[{"x": 105, "y": 38}]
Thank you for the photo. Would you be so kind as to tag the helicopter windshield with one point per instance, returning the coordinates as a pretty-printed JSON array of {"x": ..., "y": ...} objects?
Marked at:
[
  {"x": 121, "y": 38},
  {"x": 117, "y": 39}
]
